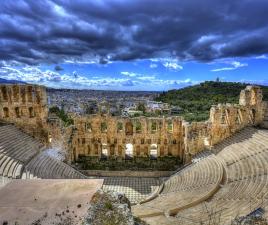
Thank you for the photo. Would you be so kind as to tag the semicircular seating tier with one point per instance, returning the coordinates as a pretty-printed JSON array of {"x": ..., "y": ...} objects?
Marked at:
[
  {"x": 189, "y": 186},
  {"x": 244, "y": 157},
  {"x": 22, "y": 156}
]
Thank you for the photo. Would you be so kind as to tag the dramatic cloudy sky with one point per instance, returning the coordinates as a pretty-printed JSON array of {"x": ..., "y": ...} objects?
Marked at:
[{"x": 133, "y": 44}]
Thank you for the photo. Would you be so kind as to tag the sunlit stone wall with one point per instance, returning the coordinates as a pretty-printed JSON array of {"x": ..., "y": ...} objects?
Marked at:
[{"x": 25, "y": 106}]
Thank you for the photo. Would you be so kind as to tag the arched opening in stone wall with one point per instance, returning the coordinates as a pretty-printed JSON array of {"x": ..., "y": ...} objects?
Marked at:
[
  {"x": 103, "y": 127},
  {"x": 223, "y": 117},
  {"x": 6, "y": 112},
  {"x": 88, "y": 150},
  {"x": 162, "y": 151},
  {"x": 38, "y": 97},
  {"x": 15, "y": 90},
  {"x": 23, "y": 94},
  {"x": 30, "y": 94},
  {"x": 169, "y": 150},
  {"x": 153, "y": 127},
  {"x": 17, "y": 112},
  {"x": 31, "y": 112},
  {"x": 129, "y": 128},
  {"x": 4, "y": 93},
  {"x": 253, "y": 113},
  {"x": 88, "y": 127},
  {"x": 112, "y": 150},
  {"x": 120, "y": 150},
  {"x": 96, "y": 149},
  {"x": 129, "y": 151},
  {"x": 104, "y": 151},
  {"x": 119, "y": 127},
  {"x": 138, "y": 150},
  {"x": 74, "y": 154},
  {"x": 153, "y": 151},
  {"x": 138, "y": 127},
  {"x": 170, "y": 126}
]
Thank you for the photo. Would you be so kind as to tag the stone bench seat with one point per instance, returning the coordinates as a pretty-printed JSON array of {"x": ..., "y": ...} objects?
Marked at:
[{"x": 46, "y": 167}]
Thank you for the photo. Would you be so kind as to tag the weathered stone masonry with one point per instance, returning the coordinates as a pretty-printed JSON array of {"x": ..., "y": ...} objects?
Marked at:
[
  {"x": 103, "y": 135},
  {"x": 26, "y": 106}
]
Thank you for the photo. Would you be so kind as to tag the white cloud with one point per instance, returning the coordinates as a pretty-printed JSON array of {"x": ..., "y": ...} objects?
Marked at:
[
  {"x": 261, "y": 57},
  {"x": 129, "y": 74},
  {"x": 232, "y": 66},
  {"x": 147, "y": 78},
  {"x": 153, "y": 65},
  {"x": 172, "y": 66}
]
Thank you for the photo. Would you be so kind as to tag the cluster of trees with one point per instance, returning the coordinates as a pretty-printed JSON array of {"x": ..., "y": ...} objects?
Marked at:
[{"x": 196, "y": 101}]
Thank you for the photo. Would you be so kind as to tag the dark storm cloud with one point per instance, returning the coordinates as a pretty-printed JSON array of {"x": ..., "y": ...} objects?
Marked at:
[{"x": 33, "y": 32}]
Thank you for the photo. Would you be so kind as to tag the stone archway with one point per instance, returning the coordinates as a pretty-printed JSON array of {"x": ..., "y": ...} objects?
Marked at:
[
  {"x": 129, "y": 151},
  {"x": 129, "y": 128},
  {"x": 153, "y": 151}
]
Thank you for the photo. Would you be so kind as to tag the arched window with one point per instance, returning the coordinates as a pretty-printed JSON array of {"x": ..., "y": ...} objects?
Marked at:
[
  {"x": 162, "y": 151},
  {"x": 253, "y": 111},
  {"x": 4, "y": 93},
  {"x": 17, "y": 112},
  {"x": 153, "y": 127},
  {"x": 88, "y": 127},
  {"x": 153, "y": 151},
  {"x": 6, "y": 112},
  {"x": 104, "y": 151},
  {"x": 15, "y": 90},
  {"x": 30, "y": 93},
  {"x": 119, "y": 126},
  {"x": 138, "y": 127},
  {"x": 129, "y": 128},
  {"x": 31, "y": 112},
  {"x": 170, "y": 126},
  {"x": 112, "y": 149},
  {"x": 23, "y": 94},
  {"x": 120, "y": 150},
  {"x": 223, "y": 117},
  {"x": 96, "y": 149},
  {"x": 129, "y": 151},
  {"x": 103, "y": 127},
  {"x": 138, "y": 150}
]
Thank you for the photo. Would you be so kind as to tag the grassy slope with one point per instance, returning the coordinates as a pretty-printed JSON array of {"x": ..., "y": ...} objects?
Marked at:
[{"x": 197, "y": 100}]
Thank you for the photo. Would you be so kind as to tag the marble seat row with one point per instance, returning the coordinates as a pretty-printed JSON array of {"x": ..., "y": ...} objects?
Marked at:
[
  {"x": 187, "y": 187},
  {"x": 246, "y": 189},
  {"x": 22, "y": 156},
  {"x": 244, "y": 159},
  {"x": 45, "y": 167},
  {"x": 17, "y": 144}
]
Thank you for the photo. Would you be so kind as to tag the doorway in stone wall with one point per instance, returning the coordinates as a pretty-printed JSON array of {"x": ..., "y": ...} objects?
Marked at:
[{"x": 129, "y": 151}]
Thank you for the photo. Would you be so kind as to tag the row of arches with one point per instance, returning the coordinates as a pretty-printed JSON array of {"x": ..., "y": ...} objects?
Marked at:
[
  {"x": 130, "y": 127},
  {"x": 23, "y": 93},
  {"x": 128, "y": 151},
  {"x": 17, "y": 112}
]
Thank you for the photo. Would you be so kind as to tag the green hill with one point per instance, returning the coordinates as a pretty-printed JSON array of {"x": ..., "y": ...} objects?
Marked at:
[{"x": 196, "y": 101}]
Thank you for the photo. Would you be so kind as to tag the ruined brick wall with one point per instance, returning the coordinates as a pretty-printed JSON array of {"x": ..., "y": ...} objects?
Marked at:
[
  {"x": 225, "y": 120},
  {"x": 25, "y": 106},
  {"x": 115, "y": 136}
]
